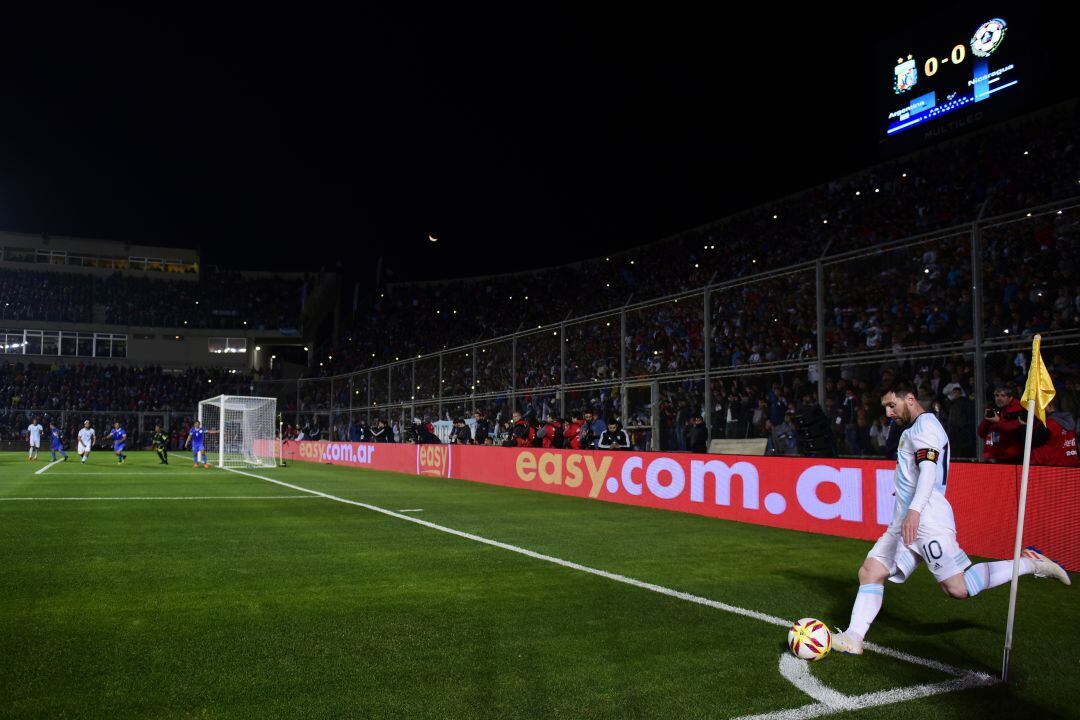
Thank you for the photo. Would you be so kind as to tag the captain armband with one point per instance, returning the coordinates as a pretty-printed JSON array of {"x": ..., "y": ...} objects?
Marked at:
[{"x": 927, "y": 454}]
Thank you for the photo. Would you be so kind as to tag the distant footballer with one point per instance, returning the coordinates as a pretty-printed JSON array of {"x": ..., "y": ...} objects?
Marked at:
[
  {"x": 119, "y": 439},
  {"x": 87, "y": 436},
  {"x": 33, "y": 432},
  {"x": 195, "y": 440}
]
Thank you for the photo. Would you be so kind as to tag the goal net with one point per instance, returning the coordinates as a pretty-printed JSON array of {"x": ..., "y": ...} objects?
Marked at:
[{"x": 239, "y": 431}]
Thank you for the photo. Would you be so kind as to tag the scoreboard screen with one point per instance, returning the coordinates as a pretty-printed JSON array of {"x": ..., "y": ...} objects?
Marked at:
[{"x": 963, "y": 63}]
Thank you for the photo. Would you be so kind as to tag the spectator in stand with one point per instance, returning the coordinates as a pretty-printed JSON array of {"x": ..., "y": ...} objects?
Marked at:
[
  {"x": 783, "y": 435},
  {"x": 849, "y": 412},
  {"x": 1055, "y": 442},
  {"x": 696, "y": 435},
  {"x": 959, "y": 421},
  {"x": 572, "y": 431},
  {"x": 614, "y": 438},
  {"x": 521, "y": 432},
  {"x": 461, "y": 434},
  {"x": 482, "y": 428},
  {"x": 734, "y": 417},
  {"x": 382, "y": 432},
  {"x": 1001, "y": 429},
  {"x": 552, "y": 435}
]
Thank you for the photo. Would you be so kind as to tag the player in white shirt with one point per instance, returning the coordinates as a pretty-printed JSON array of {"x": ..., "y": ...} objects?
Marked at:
[
  {"x": 923, "y": 528},
  {"x": 34, "y": 430},
  {"x": 86, "y": 440}
]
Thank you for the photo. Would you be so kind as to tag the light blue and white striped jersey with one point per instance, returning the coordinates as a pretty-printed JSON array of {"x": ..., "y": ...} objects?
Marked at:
[{"x": 925, "y": 439}]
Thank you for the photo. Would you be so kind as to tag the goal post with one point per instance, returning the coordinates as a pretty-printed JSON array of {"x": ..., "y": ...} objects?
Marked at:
[{"x": 239, "y": 431}]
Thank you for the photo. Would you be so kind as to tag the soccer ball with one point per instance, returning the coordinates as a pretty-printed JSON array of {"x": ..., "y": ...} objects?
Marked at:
[{"x": 809, "y": 639}]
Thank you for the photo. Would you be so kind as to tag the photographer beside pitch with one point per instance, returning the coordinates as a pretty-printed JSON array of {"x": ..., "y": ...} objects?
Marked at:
[
  {"x": 923, "y": 528},
  {"x": 1002, "y": 429}
]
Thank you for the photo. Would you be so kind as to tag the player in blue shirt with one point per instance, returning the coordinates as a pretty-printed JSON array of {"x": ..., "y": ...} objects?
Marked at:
[
  {"x": 57, "y": 441},
  {"x": 118, "y": 438},
  {"x": 195, "y": 439}
]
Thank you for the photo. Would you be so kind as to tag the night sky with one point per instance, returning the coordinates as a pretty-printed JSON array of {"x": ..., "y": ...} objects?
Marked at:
[{"x": 278, "y": 140}]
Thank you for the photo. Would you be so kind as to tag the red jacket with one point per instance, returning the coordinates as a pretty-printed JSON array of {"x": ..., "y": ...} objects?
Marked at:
[
  {"x": 1005, "y": 438},
  {"x": 522, "y": 434},
  {"x": 571, "y": 435},
  {"x": 549, "y": 435},
  {"x": 1058, "y": 449}
]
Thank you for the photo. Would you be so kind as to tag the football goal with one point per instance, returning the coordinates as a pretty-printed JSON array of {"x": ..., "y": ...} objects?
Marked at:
[{"x": 239, "y": 431}]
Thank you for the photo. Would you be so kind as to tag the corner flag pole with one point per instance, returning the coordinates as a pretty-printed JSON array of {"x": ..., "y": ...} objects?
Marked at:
[{"x": 1038, "y": 393}]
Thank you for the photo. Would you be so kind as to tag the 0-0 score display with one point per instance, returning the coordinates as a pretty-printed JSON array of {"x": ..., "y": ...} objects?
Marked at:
[{"x": 940, "y": 77}]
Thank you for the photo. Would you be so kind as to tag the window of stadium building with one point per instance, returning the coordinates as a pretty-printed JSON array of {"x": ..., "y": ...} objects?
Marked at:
[
  {"x": 219, "y": 345},
  {"x": 52, "y": 343}
]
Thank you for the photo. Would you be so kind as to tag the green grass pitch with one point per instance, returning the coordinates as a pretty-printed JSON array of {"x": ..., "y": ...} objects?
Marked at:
[{"x": 231, "y": 597}]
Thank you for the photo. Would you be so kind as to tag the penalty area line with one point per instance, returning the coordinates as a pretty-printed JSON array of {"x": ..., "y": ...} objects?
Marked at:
[{"x": 960, "y": 673}]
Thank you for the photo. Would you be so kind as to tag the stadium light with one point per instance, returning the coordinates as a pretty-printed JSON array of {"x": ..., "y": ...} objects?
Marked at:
[
  {"x": 631, "y": 262},
  {"x": 305, "y": 348},
  {"x": 245, "y": 322},
  {"x": 858, "y": 193},
  {"x": 877, "y": 190},
  {"x": 1025, "y": 152},
  {"x": 904, "y": 175},
  {"x": 696, "y": 266},
  {"x": 258, "y": 348},
  {"x": 774, "y": 217}
]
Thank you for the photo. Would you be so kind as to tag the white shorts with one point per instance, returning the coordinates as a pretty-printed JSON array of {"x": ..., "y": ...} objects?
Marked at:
[
  {"x": 35, "y": 445},
  {"x": 935, "y": 545},
  {"x": 83, "y": 449}
]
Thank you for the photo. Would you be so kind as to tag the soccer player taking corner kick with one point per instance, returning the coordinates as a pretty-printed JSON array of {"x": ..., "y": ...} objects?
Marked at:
[{"x": 923, "y": 528}]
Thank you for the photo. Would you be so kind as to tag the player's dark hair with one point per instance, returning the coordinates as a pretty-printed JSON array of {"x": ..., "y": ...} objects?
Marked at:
[{"x": 898, "y": 386}]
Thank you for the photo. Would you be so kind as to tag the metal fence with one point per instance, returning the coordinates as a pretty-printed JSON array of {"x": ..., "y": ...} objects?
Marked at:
[
  {"x": 611, "y": 359},
  {"x": 806, "y": 327}
]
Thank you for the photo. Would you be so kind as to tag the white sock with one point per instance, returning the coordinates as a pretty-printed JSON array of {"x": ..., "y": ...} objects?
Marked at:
[
  {"x": 867, "y": 604},
  {"x": 988, "y": 575}
]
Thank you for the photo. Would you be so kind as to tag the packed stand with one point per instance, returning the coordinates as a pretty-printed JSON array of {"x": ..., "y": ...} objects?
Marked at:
[
  {"x": 216, "y": 300},
  {"x": 48, "y": 296},
  {"x": 940, "y": 187}
]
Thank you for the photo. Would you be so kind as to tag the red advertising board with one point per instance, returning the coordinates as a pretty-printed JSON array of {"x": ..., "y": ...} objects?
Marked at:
[{"x": 844, "y": 497}]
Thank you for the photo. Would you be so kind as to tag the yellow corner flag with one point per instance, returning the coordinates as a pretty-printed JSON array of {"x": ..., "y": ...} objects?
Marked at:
[{"x": 1040, "y": 387}]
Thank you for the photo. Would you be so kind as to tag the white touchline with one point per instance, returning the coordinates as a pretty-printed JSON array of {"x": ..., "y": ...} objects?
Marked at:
[
  {"x": 127, "y": 473},
  {"x": 193, "y": 497},
  {"x": 413, "y": 510},
  {"x": 964, "y": 678},
  {"x": 47, "y": 467}
]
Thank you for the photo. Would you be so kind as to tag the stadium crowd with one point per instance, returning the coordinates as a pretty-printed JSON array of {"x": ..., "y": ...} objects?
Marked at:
[
  {"x": 216, "y": 300},
  {"x": 915, "y": 295}
]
